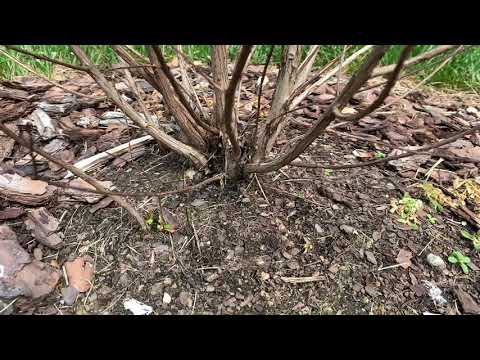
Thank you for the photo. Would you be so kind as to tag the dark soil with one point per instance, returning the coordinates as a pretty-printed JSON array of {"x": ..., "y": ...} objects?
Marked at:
[
  {"x": 246, "y": 242},
  {"x": 237, "y": 245}
]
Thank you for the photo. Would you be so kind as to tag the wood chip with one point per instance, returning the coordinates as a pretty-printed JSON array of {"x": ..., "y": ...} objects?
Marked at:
[{"x": 300, "y": 280}]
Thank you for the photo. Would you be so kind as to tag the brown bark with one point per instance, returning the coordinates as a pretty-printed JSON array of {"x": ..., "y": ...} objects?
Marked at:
[
  {"x": 352, "y": 87},
  {"x": 194, "y": 134},
  {"x": 219, "y": 55},
  {"x": 415, "y": 60},
  {"x": 306, "y": 66},
  {"x": 385, "y": 92},
  {"x": 268, "y": 131},
  {"x": 168, "y": 141},
  {"x": 230, "y": 124},
  {"x": 89, "y": 179}
]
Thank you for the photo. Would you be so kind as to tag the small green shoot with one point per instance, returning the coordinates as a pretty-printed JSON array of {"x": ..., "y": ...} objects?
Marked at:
[
  {"x": 431, "y": 219},
  {"x": 157, "y": 223},
  {"x": 380, "y": 155},
  {"x": 328, "y": 172},
  {"x": 407, "y": 209},
  {"x": 458, "y": 258},
  {"x": 474, "y": 237}
]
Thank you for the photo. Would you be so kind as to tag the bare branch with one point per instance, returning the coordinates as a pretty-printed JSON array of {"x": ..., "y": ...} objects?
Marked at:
[
  {"x": 415, "y": 60},
  {"x": 29, "y": 69},
  {"x": 46, "y": 58},
  {"x": 230, "y": 99},
  {"x": 353, "y": 85},
  {"x": 262, "y": 79},
  {"x": 299, "y": 98},
  {"x": 306, "y": 66},
  {"x": 210, "y": 180},
  {"x": 269, "y": 130},
  {"x": 199, "y": 70},
  {"x": 168, "y": 141},
  {"x": 437, "y": 69},
  {"x": 166, "y": 70},
  {"x": 194, "y": 133},
  {"x": 385, "y": 92},
  {"x": 89, "y": 179},
  {"x": 390, "y": 158},
  {"x": 187, "y": 85},
  {"x": 143, "y": 71},
  {"x": 302, "y": 87}
]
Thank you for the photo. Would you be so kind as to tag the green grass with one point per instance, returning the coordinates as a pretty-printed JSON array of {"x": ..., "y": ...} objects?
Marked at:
[{"x": 463, "y": 72}]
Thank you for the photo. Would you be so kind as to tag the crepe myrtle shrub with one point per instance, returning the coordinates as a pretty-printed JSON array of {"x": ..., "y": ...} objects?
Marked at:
[{"x": 216, "y": 133}]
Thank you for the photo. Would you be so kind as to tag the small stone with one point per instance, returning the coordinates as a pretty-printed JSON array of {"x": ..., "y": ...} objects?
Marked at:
[
  {"x": 376, "y": 235},
  {"x": 318, "y": 229},
  {"x": 371, "y": 290},
  {"x": 69, "y": 295},
  {"x": 390, "y": 186},
  {"x": 185, "y": 299},
  {"x": 167, "y": 281},
  {"x": 167, "y": 299},
  {"x": 230, "y": 254},
  {"x": 161, "y": 249},
  {"x": 124, "y": 280},
  {"x": 260, "y": 261},
  {"x": 290, "y": 204},
  {"x": 156, "y": 289},
  {"x": 239, "y": 250},
  {"x": 282, "y": 228},
  {"x": 210, "y": 288},
  {"x": 371, "y": 257},
  {"x": 212, "y": 277},
  {"x": 198, "y": 203},
  {"x": 264, "y": 276},
  {"x": 436, "y": 261},
  {"x": 246, "y": 200},
  {"x": 293, "y": 265},
  {"x": 472, "y": 111},
  {"x": 348, "y": 229},
  {"x": 37, "y": 254},
  {"x": 259, "y": 308}
]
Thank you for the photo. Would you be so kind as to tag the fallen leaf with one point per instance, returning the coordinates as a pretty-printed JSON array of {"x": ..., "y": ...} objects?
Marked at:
[
  {"x": 404, "y": 257},
  {"x": 80, "y": 274},
  {"x": 469, "y": 305}
]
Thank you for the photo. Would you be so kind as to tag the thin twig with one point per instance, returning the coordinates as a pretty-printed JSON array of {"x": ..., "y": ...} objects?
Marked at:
[
  {"x": 29, "y": 69},
  {"x": 46, "y": 58},
  {"x": 99, "y": 188},
  {"x": 199, "y": 70},
  {"x": 262, "y": 79},
  {"x": 261, "y": 189},
  {"x": 437, "y": 69},
  {"x": 395, "y": 157}
]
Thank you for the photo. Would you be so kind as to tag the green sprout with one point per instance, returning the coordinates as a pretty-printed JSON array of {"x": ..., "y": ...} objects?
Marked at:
[
  {"x": 458, "y": 258},
  {"x": 474, "y": 237},
  {"x": 431, "y": 219},
  {"x": 328, "y": 172},
  {"x": 380, "y": 155},
  {"x": 407, "y": 209}
]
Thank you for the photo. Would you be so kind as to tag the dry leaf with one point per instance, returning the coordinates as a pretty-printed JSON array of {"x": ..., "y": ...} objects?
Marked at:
[
  {"x": 404, "y": 257},
  {"x": 80, "y": 274}
]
